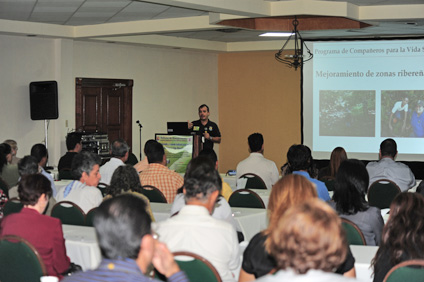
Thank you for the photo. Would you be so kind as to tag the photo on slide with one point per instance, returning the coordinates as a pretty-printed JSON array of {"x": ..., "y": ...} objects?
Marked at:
[
  {"x": 347, "y": 113},
  {"x": 402, "y": 113}
]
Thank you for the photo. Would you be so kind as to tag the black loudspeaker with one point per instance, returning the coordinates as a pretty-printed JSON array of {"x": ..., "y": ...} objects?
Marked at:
[{"x": 43, "y": 100}]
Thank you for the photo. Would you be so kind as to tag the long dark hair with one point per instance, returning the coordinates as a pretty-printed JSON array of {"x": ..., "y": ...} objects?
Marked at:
[
  {"x": 337, "y": 157},
  {"x": 403, "y": 234},
  {"x": 125, "y": 178},
  {"x": 351, "y": 186},
  {"x": 5, "y": 149}
]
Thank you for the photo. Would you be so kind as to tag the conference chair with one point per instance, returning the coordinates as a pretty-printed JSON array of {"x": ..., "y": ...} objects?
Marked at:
[
  {"x": 65, "y": 174},
  {"x": 245, "y": 198},
  {"x": 329, "y": 182},
  {"x": 14, "y": 205},
  {"x": 253, "y": 181},
  {"x": 382, "y": 192},
  {"x": 90, "y": 216},
  {"x": 354, "y": 235},
  {"x": 68, "y": 213},
  {"x": 19, "y": 260},
  {"x": 410, "y": 270},
  {"x": 4, "y": 187},
  {"x": 196, "y": 267},
  {"x": 102, "y": 187},
  {"x": 153, "y": 194}
]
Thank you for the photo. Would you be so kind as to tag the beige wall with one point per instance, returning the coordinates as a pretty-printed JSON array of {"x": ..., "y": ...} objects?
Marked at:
[
  {"x": 257, "y": 94},
  {"x": 169, "y": 85}
]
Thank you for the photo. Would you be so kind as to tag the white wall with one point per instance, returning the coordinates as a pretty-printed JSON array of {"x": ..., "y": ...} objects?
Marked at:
[{"x": 169, "y": 85}]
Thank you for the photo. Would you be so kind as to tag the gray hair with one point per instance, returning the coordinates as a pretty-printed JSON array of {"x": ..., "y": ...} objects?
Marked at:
[
  {"x": 119, "y": 148},
  {"x": 84, "y": 162}
]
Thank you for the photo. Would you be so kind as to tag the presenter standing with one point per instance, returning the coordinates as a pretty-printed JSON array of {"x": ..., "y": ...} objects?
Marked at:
[{"x": 203, "y": 126}]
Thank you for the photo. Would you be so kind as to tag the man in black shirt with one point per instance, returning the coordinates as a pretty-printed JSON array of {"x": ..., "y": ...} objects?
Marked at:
[
  {"x": 74, "y": 146},
  {"x": 205, "y": 127}
]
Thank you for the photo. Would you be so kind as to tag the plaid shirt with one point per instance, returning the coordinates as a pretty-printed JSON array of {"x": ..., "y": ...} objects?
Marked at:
[{"x": 163, "y": 178}]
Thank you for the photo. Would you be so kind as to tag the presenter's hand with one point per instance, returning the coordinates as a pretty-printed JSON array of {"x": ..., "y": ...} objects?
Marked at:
[
  {"x": 190, "y": 125},
  {"x": 207, "y": 135}
]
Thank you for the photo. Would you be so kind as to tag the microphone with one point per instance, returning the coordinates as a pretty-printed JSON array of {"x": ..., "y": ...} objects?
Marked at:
[{"x": 139, "y": 124}]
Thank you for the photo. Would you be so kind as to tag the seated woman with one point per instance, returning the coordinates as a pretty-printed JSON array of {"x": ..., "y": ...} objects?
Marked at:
[
  {"x": 349, "y": 200},
  {"x": 308, "y": 243},
  {"x": 289, "y": 191},
  {"x": 43, "y": 232},
  {"x": 125, "y": 180},
  {"x": 83, "y": 192},
  {"x": 403, "y": 234},
  {"x": 337, "y": 157},
  {"x": 8, "y": 172}
]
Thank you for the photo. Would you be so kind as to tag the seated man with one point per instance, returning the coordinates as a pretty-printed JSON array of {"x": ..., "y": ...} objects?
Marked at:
[
  {"x": 300, "y": 160},
  {"x": 193, "y": 229},
  {"x": 39, "y": 151},
  {"x": 83, "y": 192},
  {"x": 74, "y": 146},
  {"x": 128, "y": 245},
  {"x": 256, "y": 162},
  {"x": 119, "y": 152},
  {"x": 387, "y": 168},
  {"x": 158, "y": 174}
]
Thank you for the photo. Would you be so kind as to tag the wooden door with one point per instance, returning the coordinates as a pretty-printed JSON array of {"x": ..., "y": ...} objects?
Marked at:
[{"x": 104, "y": 105}]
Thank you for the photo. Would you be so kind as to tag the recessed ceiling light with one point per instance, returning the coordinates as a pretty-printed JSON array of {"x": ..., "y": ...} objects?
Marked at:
[{"x": 276, "y": 34}]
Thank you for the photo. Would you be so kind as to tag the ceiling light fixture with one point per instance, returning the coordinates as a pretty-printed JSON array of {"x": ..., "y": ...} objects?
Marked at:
[{"x": 295, "y": 57}]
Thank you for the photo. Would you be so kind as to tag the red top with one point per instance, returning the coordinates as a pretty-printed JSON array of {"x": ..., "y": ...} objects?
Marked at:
[{"x": 44, "y": 233}]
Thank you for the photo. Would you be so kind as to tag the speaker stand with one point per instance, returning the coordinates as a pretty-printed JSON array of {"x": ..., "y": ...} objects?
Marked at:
[{"x": 46, "y": 128}]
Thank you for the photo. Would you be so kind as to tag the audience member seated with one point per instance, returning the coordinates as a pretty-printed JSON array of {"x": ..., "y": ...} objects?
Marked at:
[
  {"x": 14, "y": 147},
  {"x": 8, "y": 172},
  {"x": 226, "y": 189},
  {"x": 291, "y": 190},
  {"x": 43, "y": 232},
  {"x": 39, "y": 151},
  {"x": 387, "y": 168},
  {"x": 26, "y": 166},
  {"x": 132, "y": 159},
  {"x": 337, "y": 157},
  {"x": 403, "y": 234},
  {"x": 256, "y": 162},
  {"x": 300, "y": 160},
  {"x": 125, "y": 180},
  {"x": 158, "y": 174},
  {"x": 74, "y": 146},
  {"x": 349, "y": 200},
  {"x": 194, "y": 230},
  {"x": 127, "y": 245},
  {"x": 83, "y": 192},
  {"x": 119, "y": 152},
  {"x": 308, "y": 243}
]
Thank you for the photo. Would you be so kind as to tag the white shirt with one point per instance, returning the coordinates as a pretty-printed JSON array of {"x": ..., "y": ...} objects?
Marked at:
[
  {"x": 107, "y": 170},
  {"x": 397, "y": 172},
  {"x": 312, "y": 275},
  {"x": 86, "y": 197},
  {"x": 222, "y": 210},
  {"x": 257, "y": 164},
  {"x": 398, "y": 107},
  {"x": 194, "y": 230}
]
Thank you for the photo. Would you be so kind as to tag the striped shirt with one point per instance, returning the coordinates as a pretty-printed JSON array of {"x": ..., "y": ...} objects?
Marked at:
[{"x": 118, "y": 271}]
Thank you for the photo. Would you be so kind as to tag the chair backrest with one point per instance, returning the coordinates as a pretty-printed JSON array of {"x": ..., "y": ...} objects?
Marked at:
[
  {"x": 14, "y": 205},
  {"x": 90, "y": 216},
  {"x": 410, "y": 270},
  {"x": 154, "y": 194},
  {"x": 245, "y": 198},
  {"x": 4, "y": 186},
  {"x": 102, "y": 187},
  {"x": 253, "y": 181},
  {"x": 65, "y": 174},
  {"x": 329, "y": 182},
  {"x": 19, "y": 260},
  {"x": 354, "y": 235},
  {"x": 197, "y": 268},
  {"x": 382, "y": 192},
  {"x": 68, "y": 213}
]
